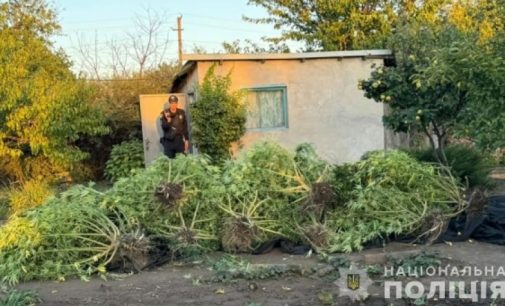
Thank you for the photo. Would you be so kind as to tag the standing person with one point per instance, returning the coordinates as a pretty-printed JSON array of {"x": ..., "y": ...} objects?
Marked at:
[{"x": 175, "y": 128}]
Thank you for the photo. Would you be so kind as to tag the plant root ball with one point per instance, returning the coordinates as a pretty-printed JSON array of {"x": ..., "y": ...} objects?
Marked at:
[
  {"x": 186, "y": 236},
  {"x": 169, "y": 194},
  {"x": 317, "y": 235},
  {"x": 238, "y": 235},
  {"x": 133, "y": 251},
  {"x": 321, "y": 198},
  {"x": 435, "y": 225}
]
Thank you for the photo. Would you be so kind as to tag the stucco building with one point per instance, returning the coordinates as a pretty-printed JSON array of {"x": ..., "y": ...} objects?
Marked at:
[{"x": 300, "y": 97}]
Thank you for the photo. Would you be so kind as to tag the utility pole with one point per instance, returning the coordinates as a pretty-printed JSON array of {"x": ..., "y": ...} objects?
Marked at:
[{"x": 179, "y": 37}]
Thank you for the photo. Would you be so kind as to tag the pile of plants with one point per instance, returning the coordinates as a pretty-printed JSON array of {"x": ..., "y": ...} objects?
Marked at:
[
  {"x": 394, "y": 194},
  {"x": 84, "y": 231},
  {"x": 189, "y": 206}
]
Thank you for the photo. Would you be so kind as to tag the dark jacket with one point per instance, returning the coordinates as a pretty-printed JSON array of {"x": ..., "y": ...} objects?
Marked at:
[{"x": 176, "y": 128}]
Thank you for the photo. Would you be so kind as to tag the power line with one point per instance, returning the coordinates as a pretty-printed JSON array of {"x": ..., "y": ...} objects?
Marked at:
[
  {"x": 203, "y": 41},
  {"x": 101, "y": 28},
  {"x": 228, "y": 28},
  {"x": 107, "y": 20},
  {"x": 167, "y": 15},
  {"x": 96, "y": 20},
  {"x": 113, "y": 41},
  {"x": 212, "y": 17},
  {"x": 204, "y": 25}
]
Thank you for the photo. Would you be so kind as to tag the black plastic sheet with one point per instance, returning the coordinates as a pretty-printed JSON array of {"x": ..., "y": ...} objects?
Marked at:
[{"x": 488, "y": 225}]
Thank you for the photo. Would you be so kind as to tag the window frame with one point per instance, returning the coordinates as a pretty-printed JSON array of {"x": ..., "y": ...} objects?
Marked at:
[{"x": 284, "y": 104}]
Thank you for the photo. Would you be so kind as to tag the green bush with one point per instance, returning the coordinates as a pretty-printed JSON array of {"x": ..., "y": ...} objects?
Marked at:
[
  {"x": 218, "y": 116},
  {"x": 467, "y": 163},
  {"x": 123, "y": 159}
]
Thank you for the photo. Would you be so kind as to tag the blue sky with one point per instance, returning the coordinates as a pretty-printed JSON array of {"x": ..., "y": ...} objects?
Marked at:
[{"x": 206, "y": 23}]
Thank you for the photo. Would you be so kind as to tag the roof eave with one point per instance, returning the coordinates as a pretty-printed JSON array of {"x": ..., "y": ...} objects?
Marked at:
[
  {"x": 179, "y": 78},
  {"x": 377, "y": 53}
]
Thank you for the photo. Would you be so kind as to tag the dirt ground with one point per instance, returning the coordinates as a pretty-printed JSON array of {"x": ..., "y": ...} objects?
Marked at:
[{"x": 176, "y": 284}]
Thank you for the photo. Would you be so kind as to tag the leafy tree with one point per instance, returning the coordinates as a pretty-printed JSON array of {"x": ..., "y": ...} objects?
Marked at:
[
  {"x": 446, "y": 82},
  {"x": 478, "y": 73},
  {"x": 248, "y": 46},
  {"x": 343, "y": 24},
  {"x": 43, "y": 107},
  {"x": 33, "y": 16},
  {"x": 218, "y": 116}
]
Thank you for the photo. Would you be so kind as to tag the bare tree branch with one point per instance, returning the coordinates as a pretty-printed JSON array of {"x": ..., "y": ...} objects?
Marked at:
[
  {"x": 145, "y": 41},
  {"x": 119, "y": 58},
  {"x": 90, "y": 56},
  {"x": 144, "y": 48}
]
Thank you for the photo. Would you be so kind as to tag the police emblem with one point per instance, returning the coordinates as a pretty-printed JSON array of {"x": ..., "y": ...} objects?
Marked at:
[{"x": 353, "y": 283}]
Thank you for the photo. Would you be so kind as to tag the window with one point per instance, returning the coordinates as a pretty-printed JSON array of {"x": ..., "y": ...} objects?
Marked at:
[{"x": 267, "y": 107}]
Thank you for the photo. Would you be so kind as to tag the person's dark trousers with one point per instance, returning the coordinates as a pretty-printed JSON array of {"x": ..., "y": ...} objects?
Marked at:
[{"x": 171, "y": 148}]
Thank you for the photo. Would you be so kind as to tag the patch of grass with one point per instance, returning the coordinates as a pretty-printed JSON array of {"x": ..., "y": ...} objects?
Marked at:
[
  {"x": 416, "y": 262},
  {"x": 374, "y": 271},
  {"x": 228, "y": 263},
  {"x": 230, "y": 268},
  {"x": 325, "y": 297},
  {"x": 14, "y": 297},
  {"x": 335, "y": 261}
]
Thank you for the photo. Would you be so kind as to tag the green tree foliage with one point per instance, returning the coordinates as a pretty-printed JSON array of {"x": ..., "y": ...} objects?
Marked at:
[
  {"x": 446, "y": 82},
  {"x": 33, "y": 16},
  {"x": 218, "y": 116},
  {"x": 43, "y": 107},
  {"x": 341, "y": 25},
  {"x": 248, "y": 47},
  {"x": 476, "y": 77}
]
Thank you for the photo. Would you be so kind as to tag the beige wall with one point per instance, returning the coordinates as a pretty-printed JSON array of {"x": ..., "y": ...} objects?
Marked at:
[{"x": 325, "y": 107}]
